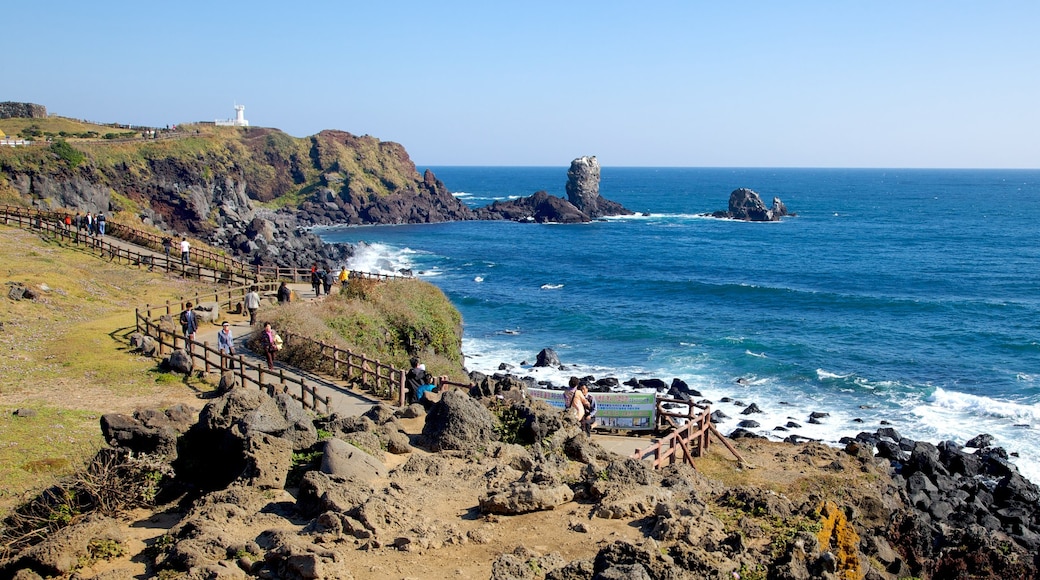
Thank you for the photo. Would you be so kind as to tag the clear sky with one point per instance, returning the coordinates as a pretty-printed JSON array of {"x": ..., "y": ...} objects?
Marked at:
[{"x": 724, "y": 83}]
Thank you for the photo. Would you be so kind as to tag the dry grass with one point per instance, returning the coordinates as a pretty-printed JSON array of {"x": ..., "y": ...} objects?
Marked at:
[
  {"x": 65, "y": 356},
  {"x": 390, "y": 321}
]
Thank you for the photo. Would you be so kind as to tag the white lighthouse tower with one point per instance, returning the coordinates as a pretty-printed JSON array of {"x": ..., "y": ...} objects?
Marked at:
[{"x": 238, "y": 121}]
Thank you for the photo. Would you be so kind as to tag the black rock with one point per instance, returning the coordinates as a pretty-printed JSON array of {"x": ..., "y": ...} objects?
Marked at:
[
  {"x": 751, "y": 409},
  {"x": 980, "y": 441}
]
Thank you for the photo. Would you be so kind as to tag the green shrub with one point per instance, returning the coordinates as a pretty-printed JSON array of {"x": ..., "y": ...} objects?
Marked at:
[{"x": 67, "y": 152}]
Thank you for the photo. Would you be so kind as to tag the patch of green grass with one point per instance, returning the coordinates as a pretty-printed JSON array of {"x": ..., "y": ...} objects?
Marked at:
[{"x": 41, "y": 449}]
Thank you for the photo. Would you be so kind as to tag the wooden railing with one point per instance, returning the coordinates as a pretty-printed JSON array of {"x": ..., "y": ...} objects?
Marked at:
[
  {"x": 689, "y": 439},
  {"x": 115, "y": 253},
  {"x": 382, "y": 380},
  {"x": 170, "y": 260},
  {"x": 203, "y": 355}
]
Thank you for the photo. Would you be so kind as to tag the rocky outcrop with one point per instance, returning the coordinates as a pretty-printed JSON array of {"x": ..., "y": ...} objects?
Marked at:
[
  {"x": 538, "y": 208},
  {"x": 747, "y": 205},
  {"x": 9, "y": 109},
  {"x": 458, "y": 422},
  {"x": 583, "y": 203},
  {"x": 583, "y": 190}
]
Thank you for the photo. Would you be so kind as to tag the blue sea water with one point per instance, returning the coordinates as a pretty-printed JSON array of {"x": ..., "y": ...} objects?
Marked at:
[{"x": 910, "y": 296}]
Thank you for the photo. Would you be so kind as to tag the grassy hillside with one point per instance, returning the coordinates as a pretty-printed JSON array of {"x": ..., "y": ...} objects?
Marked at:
[
  {"x": 388, "y": 321},
  {"x": 276, "y": 168},
  {"x": 65, "y": 356}
]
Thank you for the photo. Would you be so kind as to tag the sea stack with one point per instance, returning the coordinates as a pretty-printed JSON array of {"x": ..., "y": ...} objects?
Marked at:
[
  {"x": 583, "y": 203},
  {"x": 583, "y": 189},
  {"x": 583, "y": 184},
  {"x": 745, "y": 204}
]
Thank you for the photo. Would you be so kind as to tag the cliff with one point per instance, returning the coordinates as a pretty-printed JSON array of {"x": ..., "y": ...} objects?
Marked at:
[{"x": 248, "y": 190}]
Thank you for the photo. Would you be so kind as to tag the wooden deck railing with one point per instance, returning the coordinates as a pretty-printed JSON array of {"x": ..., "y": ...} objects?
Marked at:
[{"x": 688, "y": 440}]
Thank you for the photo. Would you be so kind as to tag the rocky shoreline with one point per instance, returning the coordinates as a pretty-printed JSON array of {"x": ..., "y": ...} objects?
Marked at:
[{"x": 266, "y": 491}]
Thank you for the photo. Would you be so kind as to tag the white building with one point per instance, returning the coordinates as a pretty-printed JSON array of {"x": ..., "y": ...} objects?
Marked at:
[{"x": 238, "y": 121}]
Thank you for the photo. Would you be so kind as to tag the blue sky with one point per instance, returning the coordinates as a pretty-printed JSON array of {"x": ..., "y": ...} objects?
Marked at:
[{"x": 734, "y": 84}]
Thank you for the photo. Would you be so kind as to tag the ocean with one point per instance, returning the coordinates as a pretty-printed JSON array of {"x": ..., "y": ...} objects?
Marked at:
[{"x": 910, "y": 296}]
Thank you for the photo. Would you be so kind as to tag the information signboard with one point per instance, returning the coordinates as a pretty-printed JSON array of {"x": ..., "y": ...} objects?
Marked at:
[{"x": 631, "y": 411}]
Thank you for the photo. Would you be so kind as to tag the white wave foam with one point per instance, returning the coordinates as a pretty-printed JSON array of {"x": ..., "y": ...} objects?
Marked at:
[
  {"x": 824, "y": 375},
  {"x": 478, "y": 279},
  {"x": 756, "y": 354},
  {"x": 551, "y": 286},
  {"x": 976, "y": 405},
  {"x": 378, "y": 258}
]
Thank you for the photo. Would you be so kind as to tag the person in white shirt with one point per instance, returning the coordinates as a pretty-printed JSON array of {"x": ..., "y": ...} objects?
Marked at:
[
  {"x": 252, "y": 301},
  {"x": 185, "y": 251}
]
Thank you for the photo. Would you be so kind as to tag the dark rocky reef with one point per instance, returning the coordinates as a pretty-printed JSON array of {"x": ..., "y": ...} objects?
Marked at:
[
  {"x": 583, "y": 203},
  {"x": 747, "y": 205}
]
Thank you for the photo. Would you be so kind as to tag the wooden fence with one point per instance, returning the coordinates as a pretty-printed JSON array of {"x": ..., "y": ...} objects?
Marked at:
[
  {"x": 208, "y": 358},
  {"x": 170, "y": 259},
  {"x": 382, "y": 380},
  {"x": 689, "y": 438}
]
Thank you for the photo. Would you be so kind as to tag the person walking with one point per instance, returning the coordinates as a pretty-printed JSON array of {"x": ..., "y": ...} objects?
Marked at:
[
  {"x": 185, "y": 250},
  {"x": 101, "y": 224},
  {"x": 167, "y": 244},
  {"x": 189, "y": 325},
  {"x": 226, "y": 345},
  {"x": 270, "y": 342},
  {"x": 316, "y": 278},
  {"x": 343, "y": 275},
  {"x": 330, "y": 279},
  {"x": 252, "y": 301},
  {"x": 90, "y": 224}
]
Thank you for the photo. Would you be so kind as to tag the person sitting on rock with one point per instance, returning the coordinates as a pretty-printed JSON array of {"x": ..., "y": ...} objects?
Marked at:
[
  {"x": 413, "y": 380},
  {"x": 428, "y": 385}
]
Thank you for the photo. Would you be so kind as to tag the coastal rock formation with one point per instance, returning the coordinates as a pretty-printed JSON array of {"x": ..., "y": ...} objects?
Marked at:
[
  {"x": 930, "y": 512},
  {"x": 251, "y": 191},
  {"x": 747, "y": 205},
  {"x": 583, "y": 203},
  {"x": 539, "y": 208},
  {"x": 583, "y": 189}
]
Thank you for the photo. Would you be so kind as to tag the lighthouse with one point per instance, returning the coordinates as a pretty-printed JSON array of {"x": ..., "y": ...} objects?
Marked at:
[{"x": 238, "y": 121}]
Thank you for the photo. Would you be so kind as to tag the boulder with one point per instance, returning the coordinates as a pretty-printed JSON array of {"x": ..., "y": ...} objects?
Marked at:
[
  {"x": 121, "y": 430},
  {"x": 521, "y": 498},
  {"x": 343, "y": 460},
  {"x": 181, "y": 362},
  {"x": 144, "y": 344},
  {"x": 207, "y": 312},
  {"x": 268, "y": 459},
  {"x": 547, "y": 358},
  {"x": 459, "y": 422},
  {"x": 63, "y": 550},
  {"x": 300, "y": 432}
]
